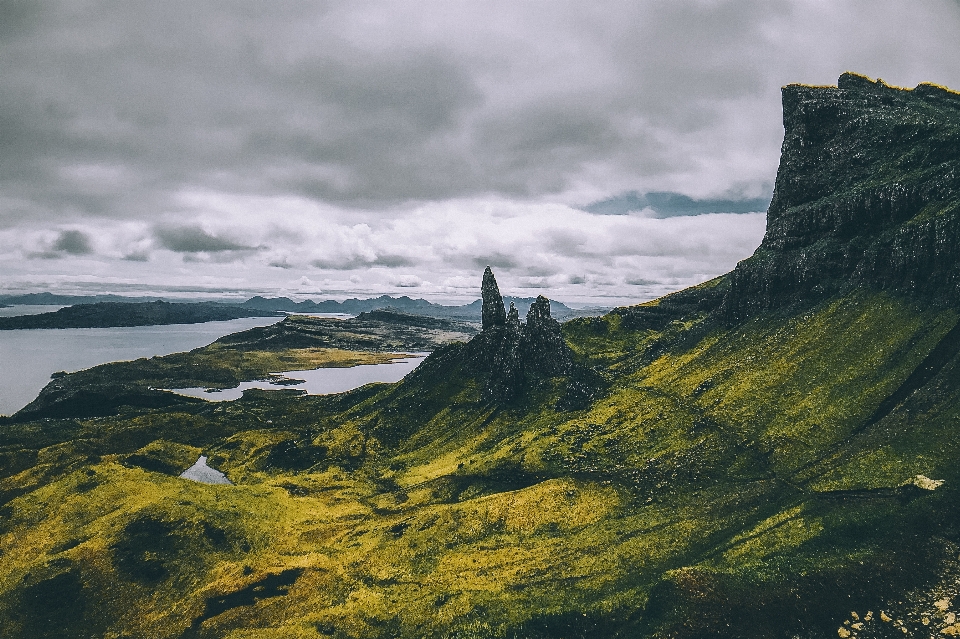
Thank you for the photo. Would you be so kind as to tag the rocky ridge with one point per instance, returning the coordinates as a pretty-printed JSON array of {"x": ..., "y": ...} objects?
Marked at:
[{"x": 867, "y": 194}]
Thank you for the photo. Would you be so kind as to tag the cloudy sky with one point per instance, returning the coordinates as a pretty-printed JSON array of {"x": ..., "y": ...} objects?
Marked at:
[{"x": 331, "y": 148}]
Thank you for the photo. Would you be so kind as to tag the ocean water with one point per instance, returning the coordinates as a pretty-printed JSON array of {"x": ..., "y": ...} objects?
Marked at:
[
  {"x": 320, "y": 381},
  {"x": 27, "y": 309},
  {"x": 29, "y": 357}
]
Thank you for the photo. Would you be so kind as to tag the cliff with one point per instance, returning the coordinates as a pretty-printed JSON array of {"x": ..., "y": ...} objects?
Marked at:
[{"x": 867, "y": 194}]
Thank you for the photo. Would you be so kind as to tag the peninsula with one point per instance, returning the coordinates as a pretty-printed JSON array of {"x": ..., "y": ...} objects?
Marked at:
[{"x": 111, "y": 314}]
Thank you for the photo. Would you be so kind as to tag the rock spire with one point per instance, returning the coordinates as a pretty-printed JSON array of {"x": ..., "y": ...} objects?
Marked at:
[
  {"x": 512, "y": 355},
  {"x": 493, "y": 313}
]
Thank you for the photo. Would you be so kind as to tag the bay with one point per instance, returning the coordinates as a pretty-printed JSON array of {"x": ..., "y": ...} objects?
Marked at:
[{"x": 29, "y": 357}]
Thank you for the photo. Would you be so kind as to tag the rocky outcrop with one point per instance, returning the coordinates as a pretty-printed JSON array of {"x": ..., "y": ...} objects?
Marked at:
[
  {"x": 543, "y": 349},
  {"x": 512, "y": 355},
  {"x": 867, "y": 194},
  {"x": 492, "y": 313}
]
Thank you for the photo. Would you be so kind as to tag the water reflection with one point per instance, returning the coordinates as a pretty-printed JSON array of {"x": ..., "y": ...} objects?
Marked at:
[
  {"x": 319, "y": 381},
  {"x": 29, "y": 356},
  {"x": 202, "y": 473}
]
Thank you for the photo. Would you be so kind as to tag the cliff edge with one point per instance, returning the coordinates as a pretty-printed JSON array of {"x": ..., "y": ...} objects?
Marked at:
[{"x": 867, "y": 194}]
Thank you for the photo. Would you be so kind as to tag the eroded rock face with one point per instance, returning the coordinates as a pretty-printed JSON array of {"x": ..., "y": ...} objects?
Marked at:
[
  {"x": 867, "y": 193},
  {"x": 544, "y": 348},
  {"x": 493, "y": 313},
  {"x": 512, "y": 354}
]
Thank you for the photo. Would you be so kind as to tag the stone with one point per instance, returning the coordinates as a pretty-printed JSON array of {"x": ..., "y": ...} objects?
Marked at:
[
  {"x": 513, "y": 356},
  {"x": 493, "y": 313},
  {"x": 545, "y": 350},
  {"x": 513, "y": 318},
  {"x": 867, "y": 195},
  {"x": 924, "y": 482}
]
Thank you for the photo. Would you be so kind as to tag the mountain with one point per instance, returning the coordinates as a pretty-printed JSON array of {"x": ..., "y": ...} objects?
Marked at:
[
  {"x": 107, "y": 314},
  {"x": 51, "y": 299},
  {"x": 468, "y": 312},
  {"x": 772, "y": 453}
]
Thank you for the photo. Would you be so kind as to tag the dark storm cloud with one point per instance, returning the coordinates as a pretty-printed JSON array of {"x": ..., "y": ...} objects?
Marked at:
[
  {"x": 73, "y": 242},
  {"x": 17, "y": 17},
  {"x": 193, "y": 239},
  {"x": 371, "y": 104},
  {"x": 498, "y": 260},
  {"x": 354, "y": 262},
  {"x": 292, "y": 96}
]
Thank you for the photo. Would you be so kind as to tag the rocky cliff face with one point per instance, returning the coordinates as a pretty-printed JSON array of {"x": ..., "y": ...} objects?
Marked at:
[
  {"x": 867, "y": 193},
  {"x": 492, "y": 312},
  {"x": 510, "y": 354}
]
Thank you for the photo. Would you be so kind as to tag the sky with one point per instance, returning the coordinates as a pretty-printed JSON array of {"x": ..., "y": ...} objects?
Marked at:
[{"x": 333, "y": 149}]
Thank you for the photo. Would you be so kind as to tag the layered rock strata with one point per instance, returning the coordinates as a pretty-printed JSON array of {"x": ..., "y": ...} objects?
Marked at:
[{"x": 867, "y": 194}]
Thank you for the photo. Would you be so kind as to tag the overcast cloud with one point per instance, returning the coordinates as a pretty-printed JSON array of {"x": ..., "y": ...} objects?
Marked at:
[{"x": 330, "y": 148}]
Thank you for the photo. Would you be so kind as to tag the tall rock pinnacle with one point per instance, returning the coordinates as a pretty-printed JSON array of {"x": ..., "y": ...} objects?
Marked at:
[{"x": 493, "y": 314}]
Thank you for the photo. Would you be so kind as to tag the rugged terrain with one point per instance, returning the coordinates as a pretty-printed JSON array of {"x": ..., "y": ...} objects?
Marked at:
[{"x": 770, "y": 454}]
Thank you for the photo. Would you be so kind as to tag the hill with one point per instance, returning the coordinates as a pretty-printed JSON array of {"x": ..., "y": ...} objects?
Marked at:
[
  {"x": 109, "y": 314},
  {"x": 769, "y": 454}
]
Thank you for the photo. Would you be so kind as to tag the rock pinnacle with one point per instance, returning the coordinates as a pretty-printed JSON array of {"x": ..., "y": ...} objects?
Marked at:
[{"x": 493, "y": 313}]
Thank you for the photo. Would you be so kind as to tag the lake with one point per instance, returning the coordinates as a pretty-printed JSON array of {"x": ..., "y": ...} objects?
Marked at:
[
  {"x": 28, "y": 357},
  {"x": 319, "y": 381}
]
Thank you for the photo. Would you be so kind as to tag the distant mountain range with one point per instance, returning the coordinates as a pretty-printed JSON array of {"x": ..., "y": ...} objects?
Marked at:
[{"x": 468, "y": 312}]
